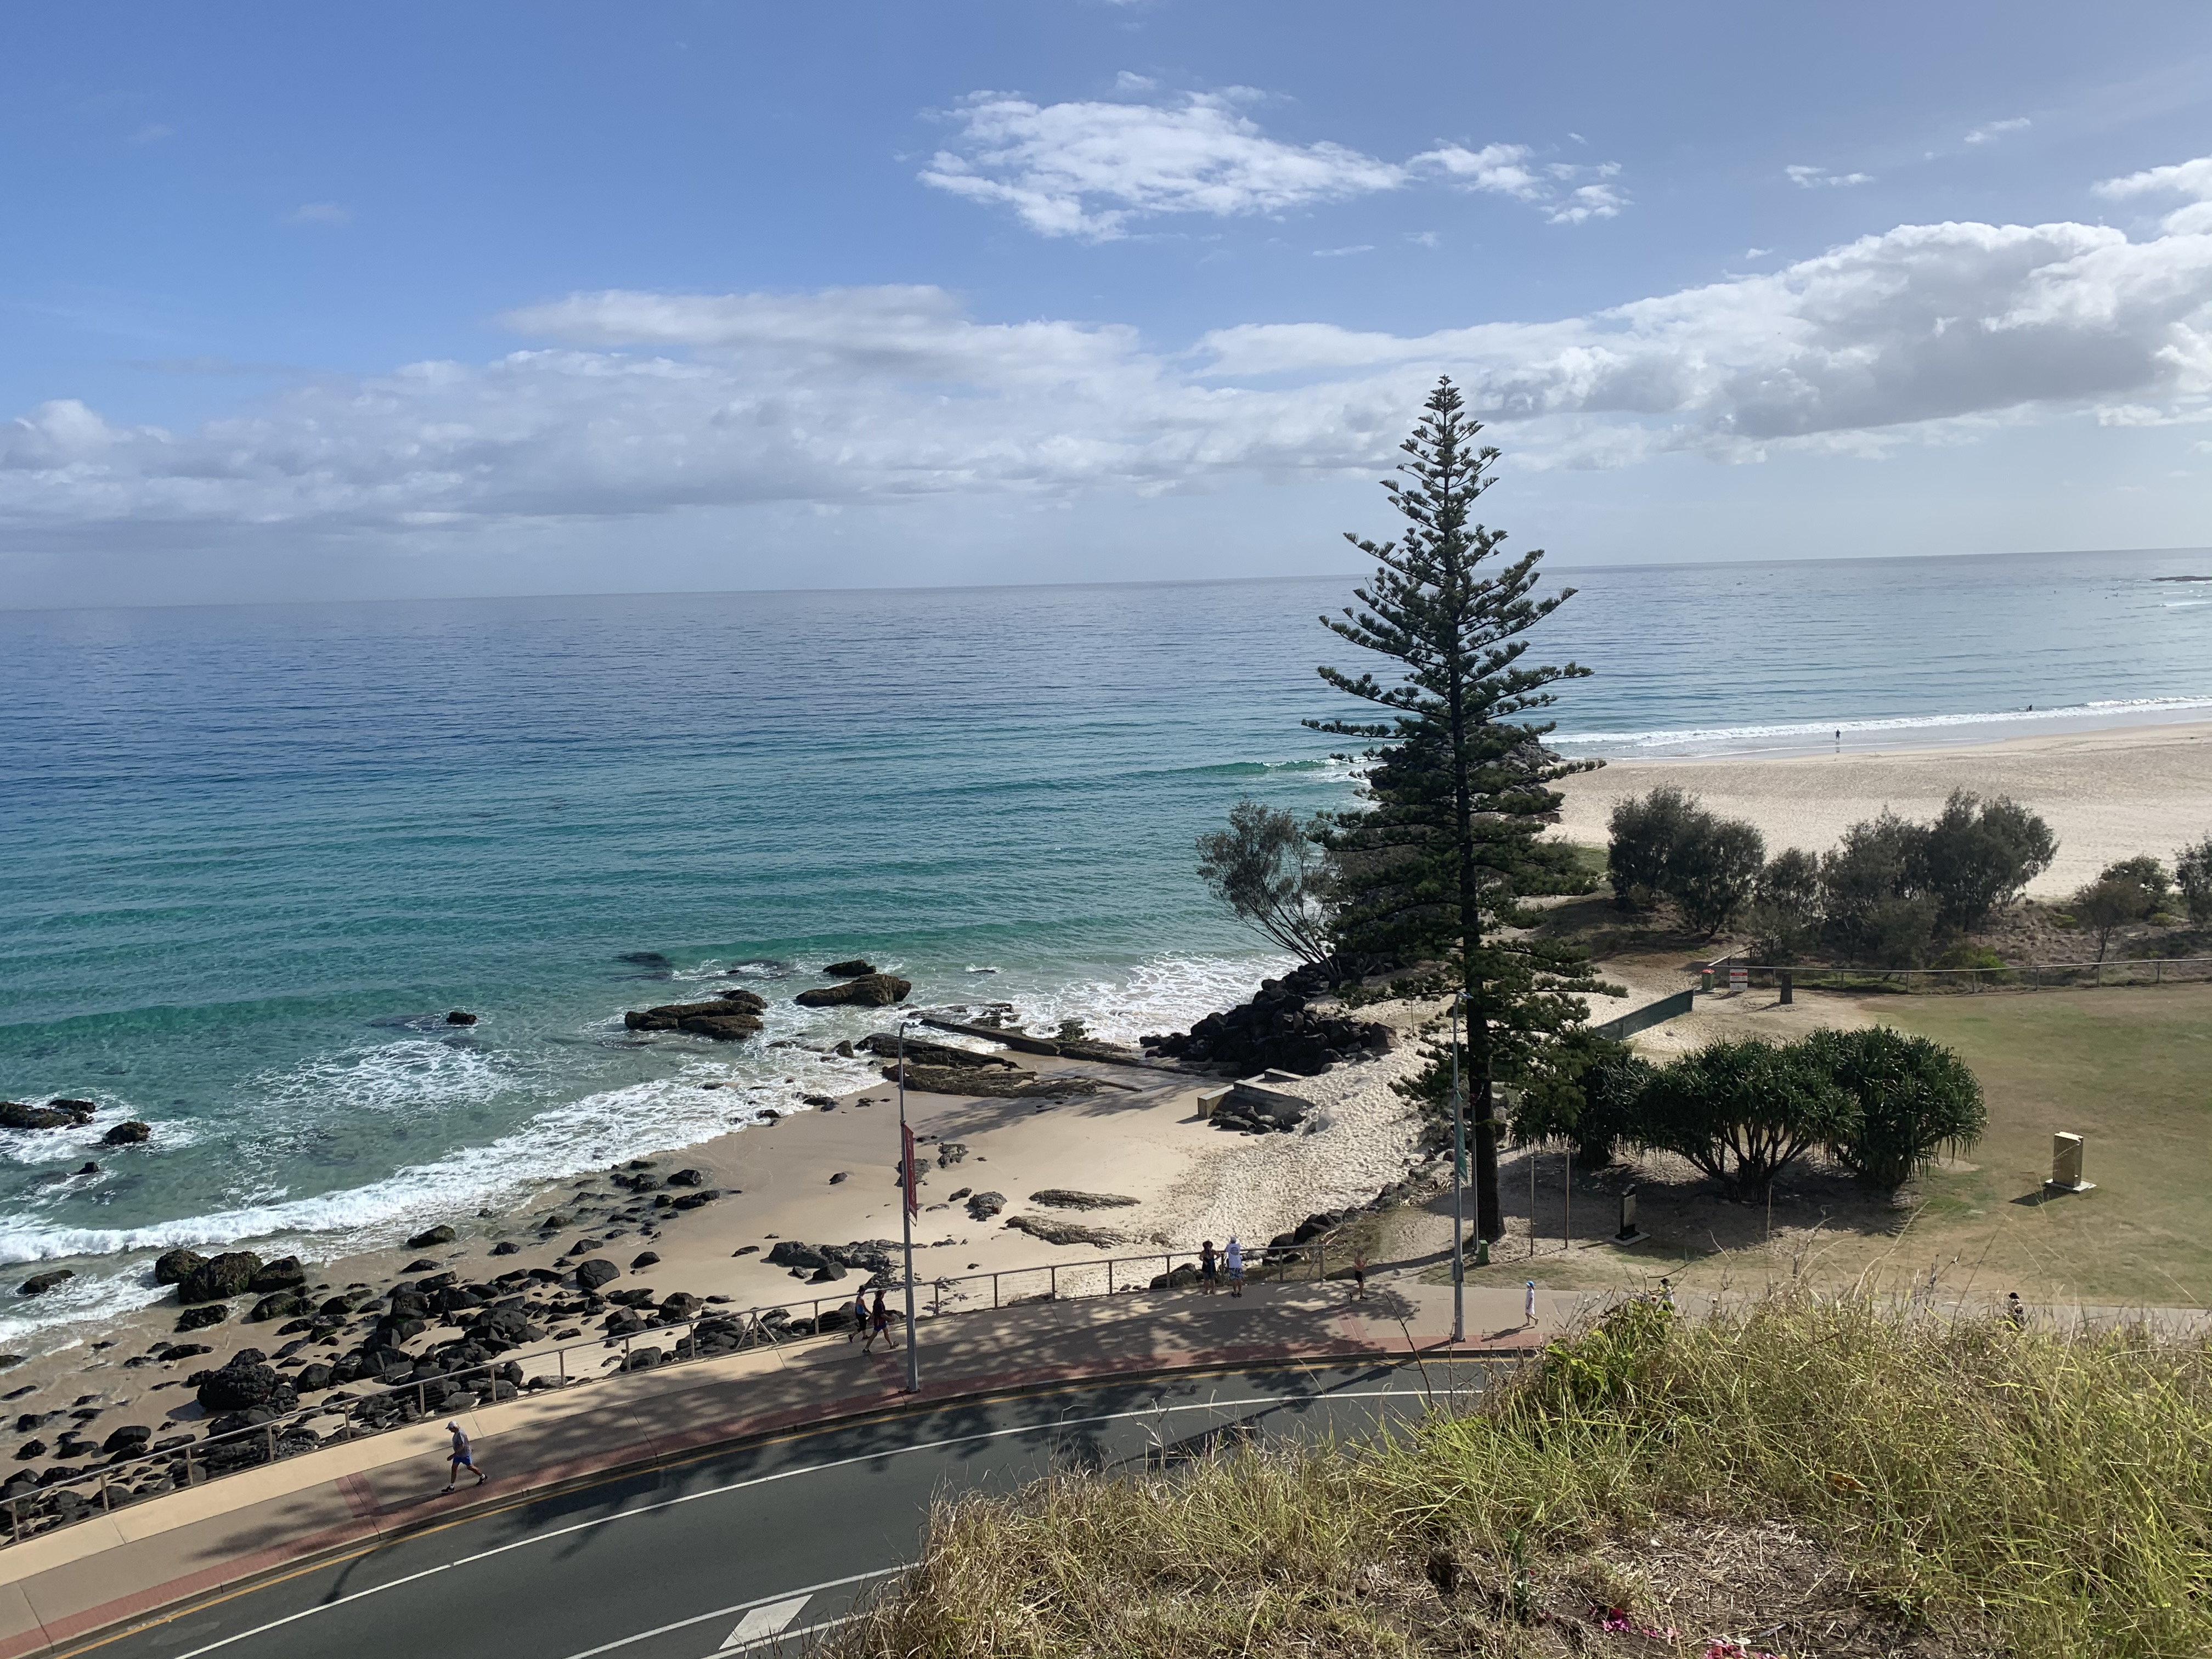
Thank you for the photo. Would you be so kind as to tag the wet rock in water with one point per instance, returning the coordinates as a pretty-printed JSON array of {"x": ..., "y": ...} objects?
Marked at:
[
  {"x": 88, "y": 1169},
  {"x": 506, "y": 1247},
  {"x": 652, "y": 959},
  {"x": 460, "y": 1016},
  {"x": 732, "y": 1015},
  {"x": 868, "y": 991},
  {"x": 219, "y": 1277},
  {"x": 431, "y": 1236},
  {"x": 688, "y": 1178},
  {"x": 55, "y": 1114},
  {"x": 919, "y": 1053},
  {"x": 421, "y": 1264},
  {"x": 981, "y": 1207},
  {"x": 199, "y": 1319},
  {"x": 286, "y": 1273},
  {"x": 1063, "y": 1197},
  {"x": 643, "y": 1260},
  {"x": 596, "y": 1272},
  {"x": 284, "y": 1304},
  {"x": 843, "y": 1050},
  {"x": 128, "y": 1135},
  {"x": 825, "y": 1102},
  {"x": 40, "y": 1284},
  {"x": 856, "y": 969}
]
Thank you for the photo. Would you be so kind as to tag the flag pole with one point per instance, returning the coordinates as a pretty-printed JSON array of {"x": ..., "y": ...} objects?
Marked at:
[{"x": 909, "y": 1200}]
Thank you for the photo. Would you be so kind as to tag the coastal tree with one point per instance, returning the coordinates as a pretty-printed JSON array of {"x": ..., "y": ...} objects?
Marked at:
[
  {"x": 2121, "y": 895},
  {"x": 1714, "y": 872},
  {"x": 2192, "y": 873},
  {"x": 1742, "y": 1111},
  {"x": 1447, "y": 848},
  {"x": 1978, "y": 857},
  {"x": 1267, "y": 868},
  {"x": 1910, "y": 1099},
  {"x": 1643, "y": 832},
  {"x": 1785, "y": 908}
]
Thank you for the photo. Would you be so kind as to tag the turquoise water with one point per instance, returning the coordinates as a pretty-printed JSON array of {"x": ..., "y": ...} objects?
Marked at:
[{"x": 253, "y": 854}]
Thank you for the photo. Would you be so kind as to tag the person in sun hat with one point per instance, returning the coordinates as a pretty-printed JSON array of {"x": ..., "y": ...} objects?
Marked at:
[{"x": 461, "y": 1457}]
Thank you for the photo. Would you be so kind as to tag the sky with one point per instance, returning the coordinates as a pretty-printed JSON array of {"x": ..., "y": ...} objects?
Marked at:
[{"x": 691, "y": 294}]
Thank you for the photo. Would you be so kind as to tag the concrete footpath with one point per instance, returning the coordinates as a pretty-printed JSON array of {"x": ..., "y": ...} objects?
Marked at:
[{"x": 67, "y": 1584}]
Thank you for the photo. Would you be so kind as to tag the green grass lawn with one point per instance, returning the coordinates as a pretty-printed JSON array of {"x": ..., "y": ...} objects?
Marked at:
[{"x": 2131, "y": 1071}]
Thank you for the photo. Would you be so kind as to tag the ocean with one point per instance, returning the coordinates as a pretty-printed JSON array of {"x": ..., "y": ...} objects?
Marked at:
[{"x": 254, "y": 855}]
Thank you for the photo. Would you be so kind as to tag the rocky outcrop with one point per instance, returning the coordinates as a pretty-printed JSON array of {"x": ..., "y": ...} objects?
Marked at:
[
  {"x": 982, "y": 1084},
  {"x": 199, "y": 1319},
  {"x": 732, "y": 1015},
  {"x": 981, "y": 1207},
  {"x": 596, "y": 1272},
  {"x": 868, "y": 991},
  {"x": 871, "y": 1256},
  {"x": 1064, "y": 1232},
  {"x": 128, "y": 1135},
  {"x": 460, "y": 1016},
  {"x": 430, "y": 1237},
  {"x": 1275, "y": 1028},
  {"x": 1063, "y": 1197},
  {"x": 245, "y": 1383},
  {"x": 219, "y": 1277},
  {"x": 40, "y": 1284},
  {"x": 54, "y": 1115},
  {"x": 857, "y": 968},
  {"x": 921, "y": 1053},
  {"x": 172, "y": 1266}
]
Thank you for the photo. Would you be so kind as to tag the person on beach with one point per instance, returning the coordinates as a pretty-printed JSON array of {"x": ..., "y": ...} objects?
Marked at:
[
  {"x": 1359, "y": 1277},
  {"x": 1209, "y": 1269},
  {"x": 1529, "y": 1307},
  {"x": 879, "y": 1324},
  {"x": 1233, "y": 1258},
  {"x": 2015, "y": 1313},
  {"x": 860, "y": 1313},
  {"x": 461, "y": 1458}
]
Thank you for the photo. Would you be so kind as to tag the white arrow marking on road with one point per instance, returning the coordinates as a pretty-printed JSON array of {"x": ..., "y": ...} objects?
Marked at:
[{"x": 764, "y": 1621}]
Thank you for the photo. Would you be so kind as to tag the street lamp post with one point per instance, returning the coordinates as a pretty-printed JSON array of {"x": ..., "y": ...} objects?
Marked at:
[
  {"x": 909, "y": 1200},
  {"x": 1458, "y": 1185}
]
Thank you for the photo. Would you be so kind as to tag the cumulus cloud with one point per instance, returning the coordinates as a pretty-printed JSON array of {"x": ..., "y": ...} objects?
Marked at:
[
  {"x": 631, "y": 403},
  {"x": 1092, "y": 169},
  {"x": 1994, "y": 129}
]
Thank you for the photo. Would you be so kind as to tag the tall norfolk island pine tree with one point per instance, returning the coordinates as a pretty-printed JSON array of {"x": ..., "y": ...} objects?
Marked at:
[{"x": 1445, "y": 853}]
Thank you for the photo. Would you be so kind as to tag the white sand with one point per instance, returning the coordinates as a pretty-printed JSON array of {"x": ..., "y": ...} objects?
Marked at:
[{"x": 2108, "y": 795}]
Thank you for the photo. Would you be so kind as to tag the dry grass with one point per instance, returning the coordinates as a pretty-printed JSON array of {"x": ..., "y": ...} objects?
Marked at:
[{"x": 1809, "y": 1476}]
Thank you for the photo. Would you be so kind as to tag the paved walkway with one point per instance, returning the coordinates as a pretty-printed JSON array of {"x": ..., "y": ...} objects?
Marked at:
[{"x": 69, "y": 1583}]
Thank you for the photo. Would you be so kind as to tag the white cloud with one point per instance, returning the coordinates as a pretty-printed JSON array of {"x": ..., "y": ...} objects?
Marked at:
[
  {"x": 319, "y": 213},
  {"x": 1339, "y": 252},
  {"x": 651, "y": 403},
  {"x": 1982, "y": 135},
  {"x": 1092, "y": 169},
  {"x": 1817, "y": 177}
]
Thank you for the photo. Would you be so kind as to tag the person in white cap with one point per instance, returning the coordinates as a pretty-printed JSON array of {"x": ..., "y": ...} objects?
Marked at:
[
  {"x": 1529, "y": 1307},
  {"x": 461, "y": 1458}
]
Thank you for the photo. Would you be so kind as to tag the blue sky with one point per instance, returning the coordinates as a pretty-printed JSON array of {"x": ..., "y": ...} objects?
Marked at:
[{"x": 512, "y": 298}]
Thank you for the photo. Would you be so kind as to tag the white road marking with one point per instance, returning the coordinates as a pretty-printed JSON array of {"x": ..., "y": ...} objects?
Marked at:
[
  {"x": 724, "y": 1613},
  {"x": 767, "y": 1479},
  {"x": 789, "y": 1636},
  {"x": 764, "y": 1621}
]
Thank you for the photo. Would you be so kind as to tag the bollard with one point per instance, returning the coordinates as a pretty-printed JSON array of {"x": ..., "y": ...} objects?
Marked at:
[
  {"x": 1051, "y": 1285},
  {"x": 1789, "y": 991},
  {"x": 1110, "y": 1275},
  {"x": 105, "y": 1506},
  {"x": 15, "y": 1516},
  {"x": 270, "y": 1429}
]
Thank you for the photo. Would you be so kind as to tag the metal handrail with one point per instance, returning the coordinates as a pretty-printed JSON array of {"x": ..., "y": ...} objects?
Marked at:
[
  {"x": 2033, "y": 973},
  {"x": 754, "y": 1326}
]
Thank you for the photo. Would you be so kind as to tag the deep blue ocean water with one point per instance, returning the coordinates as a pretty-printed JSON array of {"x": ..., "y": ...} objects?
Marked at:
[{"x": 250, "y": 856}]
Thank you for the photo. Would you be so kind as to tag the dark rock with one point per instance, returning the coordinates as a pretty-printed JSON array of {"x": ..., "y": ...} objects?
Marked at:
[
  {"x": 506, "y": 1247},
  {"x": 596, "y": 1272},
  {"x": 57, "y": 1115},
  {"x": 732, "y": 1015},
  {"x": 171, "y": 1266},
  {"x": 828, "y": 1273},
  {"x": 951, "y": 1152},
  {"x": 285, "y": 1274},
  {"x": 421, "y": 1264},
  {"x": 176, "y": 1351},
  {"x": 693, "y": 1200},
  {"x": 314, "y": 1377},
  {"x": 31, "y": 1448},
  {"x": 688, "y": 1178},
  {"x": 219, "y": 1277},
  {"x": 283, "y": 1305},
  {"x": 980, "y": 1083},
  {"x": 1064, "y": 1232},
  {"x": 460, "y": 1016},
  {"x": 868, "y": 991},
  {"x": 790, "y": 1253},
  {"x": 678, "y": 1306},
  {"x": 825, "y": 1102},
  {"x": 87, "y": 1168},
  {"x": 30, "y": 1420},
  {"x": 920, "y": 1053},
  {"x": 40, "y": 1284},
  {"x": 128, "y": 1135},
  {"x": 131, "y": 1438},
  {"x": 640, "y": 1359},
  {"x": 981, "y": 1207},
  {"x": 856, "y": 969},
  {"x": 643, "y": 1260},
  {"x": 838, "y": 1179},
  {"x": 1063, "y": 1197},
  {"x": 246, "y": 1384},
  {"x": 441, "y": 1234}
]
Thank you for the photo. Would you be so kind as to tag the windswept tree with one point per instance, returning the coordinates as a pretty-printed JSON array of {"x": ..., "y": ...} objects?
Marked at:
[
  {"x": 1447, "y": 849},
  {"x": 1266, "y": 868}
]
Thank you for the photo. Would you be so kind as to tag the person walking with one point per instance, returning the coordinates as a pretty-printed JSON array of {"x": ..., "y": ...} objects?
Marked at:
[
  {"x": 1233, "y": 1259},
  {"x": 461, "y": 1458},
  {"x": 1209, "y": 1269},
  {"x": 860, "y": 1313},
  {"x": 1359, "y": 1277},
  {"x": 878, "y": 1325},
  {"x": 1529, "y": 1307}
]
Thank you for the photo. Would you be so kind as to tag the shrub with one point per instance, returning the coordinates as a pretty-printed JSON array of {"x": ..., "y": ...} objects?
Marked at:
[
  {"x": 2145, "y": 871},
  {"x": 1742, "y": 1111},
  {"x": 1978, "y": 857},
  {"x": 1644, "y": 833},
  {"x": 1590, "y": 1094},
  {"x": 1910, "y": 1099},
  {"x": 2110, "y": 901},
  {"x": 1785, "y": 908},
  {"x": 1863, "y": 881},
  {"x": 1714, "y": 870},
  {"x": 1268, "y": 869},
  {"x": 2192, "y": 873}
]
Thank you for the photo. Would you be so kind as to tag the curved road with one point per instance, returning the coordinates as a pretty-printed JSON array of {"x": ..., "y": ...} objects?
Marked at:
[{"x": 752, "y": 1549}]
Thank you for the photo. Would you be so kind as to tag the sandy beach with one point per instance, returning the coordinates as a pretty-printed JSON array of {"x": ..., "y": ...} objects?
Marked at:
[{"x": 2107, "y": 794}]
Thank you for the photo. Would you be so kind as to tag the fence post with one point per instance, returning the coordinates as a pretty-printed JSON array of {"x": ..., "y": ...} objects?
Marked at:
[
  {"x": 270, "y": 1429},
  {"x": 562, "y": 1354},
  {"x": 1110, "y": 1275},
  {"x": 1052, "y": 1284},
  {"x": 16, "y": 1513},
  {"x": 105, "y": 1506},
  {"x": 995, "y": 1290}
]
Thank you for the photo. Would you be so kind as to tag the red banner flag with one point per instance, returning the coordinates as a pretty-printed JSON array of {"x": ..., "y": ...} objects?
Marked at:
[{"x": 906, "y": 1172}]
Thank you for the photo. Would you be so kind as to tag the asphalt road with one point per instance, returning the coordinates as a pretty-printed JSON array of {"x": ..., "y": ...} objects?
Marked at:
[{"x": 750, "y": 1550}]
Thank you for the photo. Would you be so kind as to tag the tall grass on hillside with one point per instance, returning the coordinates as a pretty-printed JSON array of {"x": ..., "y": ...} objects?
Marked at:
[{"x": 1808, "y": 1476}]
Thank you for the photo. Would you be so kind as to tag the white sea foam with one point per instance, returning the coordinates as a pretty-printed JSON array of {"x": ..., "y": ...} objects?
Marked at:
[
  {"x": 1163, "y": 994},
  {"x": 2115, "y": 711}
]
